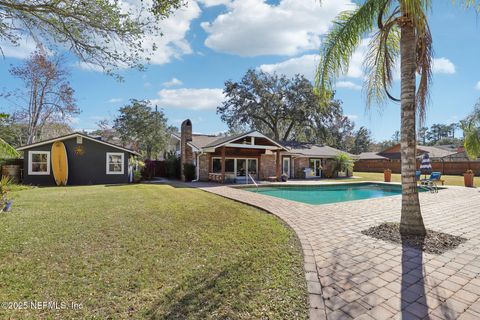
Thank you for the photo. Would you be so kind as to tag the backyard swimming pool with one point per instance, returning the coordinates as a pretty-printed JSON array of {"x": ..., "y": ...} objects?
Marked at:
[{"x": 322, "y": 194}]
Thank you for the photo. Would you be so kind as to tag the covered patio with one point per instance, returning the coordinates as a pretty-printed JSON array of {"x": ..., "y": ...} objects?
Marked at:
[{"x": 241, "y": 158}]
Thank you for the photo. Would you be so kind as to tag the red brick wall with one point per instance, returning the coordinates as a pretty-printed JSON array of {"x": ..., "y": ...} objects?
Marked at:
[
  {"x": 299, "y": 164},
  {"x": 267, "y": 166}
]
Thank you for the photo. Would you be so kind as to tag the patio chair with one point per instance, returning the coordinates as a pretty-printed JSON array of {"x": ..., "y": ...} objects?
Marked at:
[
  {"x": 434, "y": 177},
  {"x": 431, "y": 183}
]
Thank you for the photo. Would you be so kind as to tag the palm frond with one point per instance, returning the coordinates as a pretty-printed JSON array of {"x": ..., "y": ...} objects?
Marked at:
[
  {"x": 472, "y": 140},
  {"x": 470, "y": 4},
  {"x": 341, "y": 42},
  {"x": 7, "y": 151},
  {"x": 384, "y": 51},
  {"x": 424, "y": 69}
]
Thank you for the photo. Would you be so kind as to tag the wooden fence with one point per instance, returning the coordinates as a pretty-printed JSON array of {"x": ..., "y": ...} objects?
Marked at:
[{"x": 445, "y": 167}]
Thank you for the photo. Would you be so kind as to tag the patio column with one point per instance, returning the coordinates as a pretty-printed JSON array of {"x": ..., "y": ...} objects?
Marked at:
[
  {"x": 222, "y": 162},
  {"x": 278, "y": 164}
]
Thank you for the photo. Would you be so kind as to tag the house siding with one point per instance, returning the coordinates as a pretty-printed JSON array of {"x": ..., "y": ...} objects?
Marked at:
[{"x": 86, "y": 169}]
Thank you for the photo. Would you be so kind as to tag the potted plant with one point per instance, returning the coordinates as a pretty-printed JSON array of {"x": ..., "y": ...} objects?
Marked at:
[
  {"x": 387, "y": 175},
  {"x": 468, "y": 178}
]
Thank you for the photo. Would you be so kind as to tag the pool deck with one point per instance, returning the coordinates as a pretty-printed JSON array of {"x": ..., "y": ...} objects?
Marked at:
[{"x": 350, "y": 275}]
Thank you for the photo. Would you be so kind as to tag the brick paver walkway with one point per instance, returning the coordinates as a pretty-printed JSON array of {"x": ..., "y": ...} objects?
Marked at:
[{"x": 350, "y": 275}]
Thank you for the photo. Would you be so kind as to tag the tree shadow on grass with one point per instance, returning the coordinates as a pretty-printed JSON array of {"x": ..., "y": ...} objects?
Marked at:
[{"x": 204, "y": 295}]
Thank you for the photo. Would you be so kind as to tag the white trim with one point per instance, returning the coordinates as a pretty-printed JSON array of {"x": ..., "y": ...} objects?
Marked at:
[
  {"x": 73, "y": 135},
  {"x": 249, "y": 146},
  {"x": 289, "y": 173},
  {"x": 235, "y": 163},
  {"x": 252, "y": 134},
  {"x": 36, "y": 173},
  {"x": 108, "y": 164}
]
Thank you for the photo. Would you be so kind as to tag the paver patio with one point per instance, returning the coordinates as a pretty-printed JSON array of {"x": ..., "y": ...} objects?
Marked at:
[{"x": 351, "y": 275}]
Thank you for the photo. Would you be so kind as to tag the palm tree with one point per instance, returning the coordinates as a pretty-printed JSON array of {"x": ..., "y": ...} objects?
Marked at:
[
  {"x": 6, "y": 150},
  {"x": 471, "y": 133},
  {"x": 400, "y": 31}
]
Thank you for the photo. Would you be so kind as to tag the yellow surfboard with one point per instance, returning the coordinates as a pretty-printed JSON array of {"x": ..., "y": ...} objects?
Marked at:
[{"x": 59, "y": 163}]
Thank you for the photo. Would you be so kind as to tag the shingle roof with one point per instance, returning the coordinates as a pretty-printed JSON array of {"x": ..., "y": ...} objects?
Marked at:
[
  {"x": 202, "y": 140},
  {"x": 76, "y": 134},
  {"x": 223, "y": 139},
  {"x": 315, "y": 150},
  {"x": 435, "y": 152},
  {"x": 371, "y": 156}
]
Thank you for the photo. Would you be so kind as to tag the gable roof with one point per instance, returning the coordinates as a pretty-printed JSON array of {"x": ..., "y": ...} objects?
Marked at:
[
  {"x": 227, "y": 139},
  {"x": 199, "y": 141},
  {"x": 73, "y": 135},
  {"x": 434, "y": 152},
  {"x": 371, "y": 156},
  {"x": 316, "y": 150}
]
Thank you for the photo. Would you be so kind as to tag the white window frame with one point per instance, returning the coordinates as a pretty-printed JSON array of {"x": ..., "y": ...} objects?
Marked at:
[
  {"x": 235, "y": 163},
  {"x": 123, "y": 162},
  {"x": 37, "y": 173}
]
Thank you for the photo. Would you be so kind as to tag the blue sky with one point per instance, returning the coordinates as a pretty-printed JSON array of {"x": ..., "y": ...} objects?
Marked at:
[{"x": 212, "y": 41}]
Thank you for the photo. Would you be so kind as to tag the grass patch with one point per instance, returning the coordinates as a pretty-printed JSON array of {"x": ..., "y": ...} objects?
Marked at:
[
  {"x": 148, "y": 251},
  {"x": 378, "y": 176}
]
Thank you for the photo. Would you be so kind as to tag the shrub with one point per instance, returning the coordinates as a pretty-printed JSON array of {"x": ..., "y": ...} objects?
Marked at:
[
  {"x": 172, "y": 165},
  {"x": 137, "y": 176},
  {"x": 343, "y": 163},
  {"x": 5, "y": 184},
  {"x": 189, "y": 171}
]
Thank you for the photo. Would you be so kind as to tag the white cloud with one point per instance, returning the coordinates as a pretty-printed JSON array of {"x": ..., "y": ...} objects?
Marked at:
[
  {"x": 192, "y": 99},
  {"x": 20, "y": 51},
  {"x": 308, "y": 63},
  {"x": 254, "y": 27},
  {"x": 305, "y": 65},
  {"x": 115, "y": 100},
  {"x": 348, "y": 85},
  {"x": 352, "y": 117},
  {"x": 88, "y": 66},
  {"x": 147, "y": 84},
  {"x": 212, "y": 3},
  {"x": 173, "y": 82},
  {"x": 443, "y": 65},
  {"x": 172, "y": 44},
  {"x": 477, "y": 86}
]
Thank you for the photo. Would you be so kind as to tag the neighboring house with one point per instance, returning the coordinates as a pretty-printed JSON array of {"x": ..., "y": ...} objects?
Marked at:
[
  {"x": 447, "y": 159},
  {"x": 90, "y": 161},
  {"x": 233, "y": 158}
]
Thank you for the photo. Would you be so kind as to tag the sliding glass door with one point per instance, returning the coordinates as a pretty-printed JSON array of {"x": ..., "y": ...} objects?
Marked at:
[{"x": 316, "y": 166}]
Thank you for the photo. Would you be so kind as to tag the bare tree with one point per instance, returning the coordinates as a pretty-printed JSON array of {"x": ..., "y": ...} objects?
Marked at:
[{"x": 47, "y": 96}]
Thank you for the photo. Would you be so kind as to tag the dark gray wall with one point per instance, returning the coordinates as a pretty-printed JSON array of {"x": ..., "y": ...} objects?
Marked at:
[{"x": 89, "y": 168}]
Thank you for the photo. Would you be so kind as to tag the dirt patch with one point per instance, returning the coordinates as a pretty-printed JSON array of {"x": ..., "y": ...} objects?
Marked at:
[{"x": 434, "y": 242}]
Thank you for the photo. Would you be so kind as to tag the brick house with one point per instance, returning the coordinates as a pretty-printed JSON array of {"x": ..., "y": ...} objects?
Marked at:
[{"x": 233, "y": 158}]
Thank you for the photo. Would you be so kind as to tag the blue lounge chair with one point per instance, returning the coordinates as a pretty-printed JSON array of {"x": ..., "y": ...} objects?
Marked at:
[
  {"x": 417, "y": 175},
  {"x": 434, "y": 177}
]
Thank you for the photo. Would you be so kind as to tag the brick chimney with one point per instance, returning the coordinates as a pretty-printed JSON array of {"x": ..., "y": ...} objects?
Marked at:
[{"x": 186, "y": 155}]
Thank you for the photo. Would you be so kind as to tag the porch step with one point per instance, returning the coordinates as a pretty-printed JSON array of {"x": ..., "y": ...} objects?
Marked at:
[{"x": 241, "y": 180}]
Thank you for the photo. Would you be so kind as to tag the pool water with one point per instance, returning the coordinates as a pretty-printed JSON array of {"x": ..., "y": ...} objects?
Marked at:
[{"x": 322, "y": 194}]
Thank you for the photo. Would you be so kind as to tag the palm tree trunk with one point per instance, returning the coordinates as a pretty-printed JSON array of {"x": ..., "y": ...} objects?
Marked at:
[{"x": 411, "y": 221}]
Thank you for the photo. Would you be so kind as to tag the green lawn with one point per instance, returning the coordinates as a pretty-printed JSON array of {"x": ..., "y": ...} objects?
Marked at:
[
  {"x": 374, "y": 176},
  {"x": 147, "y": 251}
]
